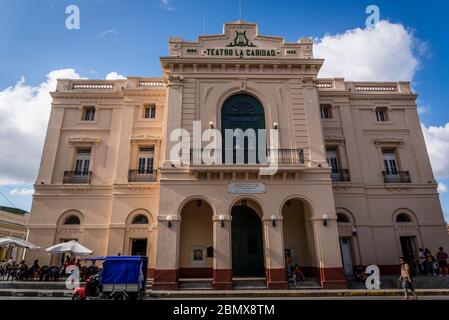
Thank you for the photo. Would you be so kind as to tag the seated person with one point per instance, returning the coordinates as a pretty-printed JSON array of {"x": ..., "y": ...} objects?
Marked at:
[
  {"x": 360, "y": 273},
  {"x": 299, "y": 275}
]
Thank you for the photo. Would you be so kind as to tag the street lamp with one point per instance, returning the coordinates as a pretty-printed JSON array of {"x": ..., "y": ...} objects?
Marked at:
[
  {"x": 325, "y": 219},
  {"x": 169, "y": 220},
  {"x": 273, "y": 220},
  {"x": 354, "y": 232},
  {"x": 221, "y": 218}
]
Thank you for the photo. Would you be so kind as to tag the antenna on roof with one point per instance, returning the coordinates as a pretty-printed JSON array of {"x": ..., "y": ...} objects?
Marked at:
[
  {"x": 240, "y": 11},
  {"x": 204, "y": 22}
]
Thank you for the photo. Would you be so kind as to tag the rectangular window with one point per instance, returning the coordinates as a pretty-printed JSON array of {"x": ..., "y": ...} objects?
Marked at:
[
  {"x": 89, "y": 114},
  {"x": 82, "y": 161},
  {"x": 150, "y": 112},
  {"x": 326, "y": 111},
  {"x": 197, "y": 255},
  {"x": 145, "y": 160},
  {"x": 390, "y": 162},
  {"x": 332, "y": 159},
  {"x": 381, "y": 115}
]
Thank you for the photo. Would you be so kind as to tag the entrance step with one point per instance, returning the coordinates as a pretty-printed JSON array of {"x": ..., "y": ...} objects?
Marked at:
[
  {"x": 149, "y": 284},
  {"x": 195, "y": 284},
  {"x": 249, "y": 283},
  {"x": 307, "y": 284}
]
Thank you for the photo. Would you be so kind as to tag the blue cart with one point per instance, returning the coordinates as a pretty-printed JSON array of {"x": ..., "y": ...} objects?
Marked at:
[{"x": 122, "y": 278}]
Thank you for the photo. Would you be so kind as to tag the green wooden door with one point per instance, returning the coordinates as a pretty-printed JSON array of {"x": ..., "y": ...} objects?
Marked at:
[
  {"x": 243, "y": 112},
  {"x": 247, "y": 243}
]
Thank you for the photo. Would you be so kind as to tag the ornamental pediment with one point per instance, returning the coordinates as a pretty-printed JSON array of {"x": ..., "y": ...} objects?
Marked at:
[
  {"x": 240, "y": 40},
  {"x": 84, "y": 140}
]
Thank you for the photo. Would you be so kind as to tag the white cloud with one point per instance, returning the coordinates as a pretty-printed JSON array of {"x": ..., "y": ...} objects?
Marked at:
[
  {"x": 387, "y": 52},
  {"x": 424, "y": 109},
  {"x": 166, "y": 4},
  {"x": 21, "y": 192},
  {"x": 442, "y": 188},
  {"x": 108, "y": 32},
  {"x": 437, "y": 140},
  {"x": 114, "y": 76},
  {"x": 24, "y": 113}
]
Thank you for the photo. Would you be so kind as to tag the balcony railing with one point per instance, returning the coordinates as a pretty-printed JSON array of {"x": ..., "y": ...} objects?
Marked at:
[
  {"x": 142, "y": 175},
  {"x": 340, "y": 175},
  {"x": 77, "y": 177},
  {"x": 397, "y": 177},
  {"x": 284, "y": 157}
]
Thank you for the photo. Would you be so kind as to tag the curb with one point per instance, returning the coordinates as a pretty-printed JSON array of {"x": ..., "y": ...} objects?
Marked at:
[
  {"x": 296, "y": 294},
  {"x": 36, "y": 293}
]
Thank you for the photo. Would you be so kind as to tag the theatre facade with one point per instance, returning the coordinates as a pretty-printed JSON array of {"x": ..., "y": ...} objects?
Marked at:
[{"x": 343, "y": 178}]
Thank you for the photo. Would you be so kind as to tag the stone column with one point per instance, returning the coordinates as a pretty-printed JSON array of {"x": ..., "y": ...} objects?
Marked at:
[
  {"x": 166, "y": 272},
  {"x": 327, "y": 246},
  {"x": 48, "y": 159},
  {"x": 274, "y": 254},
  {"x": 173, "y": 116},
  {"x": 222, "y": 262}
]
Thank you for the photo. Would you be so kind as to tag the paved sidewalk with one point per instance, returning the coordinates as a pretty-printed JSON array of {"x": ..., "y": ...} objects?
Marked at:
[{"x": 291, "y": 293}]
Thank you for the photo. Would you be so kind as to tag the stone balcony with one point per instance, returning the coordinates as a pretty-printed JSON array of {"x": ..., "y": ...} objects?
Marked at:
[
  {"x": 339, "y": 84},
  {"x": 131, "y": 83}
]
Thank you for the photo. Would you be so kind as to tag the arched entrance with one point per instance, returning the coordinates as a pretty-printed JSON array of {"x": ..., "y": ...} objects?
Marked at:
[
  {"x": 299, "y": 244},
  {"x": 247, "y": 242},
  {"x": 242, "y": 111},
  {"x": 196, "y": 240}
]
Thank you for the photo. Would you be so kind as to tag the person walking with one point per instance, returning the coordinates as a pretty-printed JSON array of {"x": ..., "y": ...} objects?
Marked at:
[
  {"x": 442, "y": 261},
  {"x": 430, "y": 270},
  {"x": 406, "y": 279},
  {"x": 421, "y": 261}
]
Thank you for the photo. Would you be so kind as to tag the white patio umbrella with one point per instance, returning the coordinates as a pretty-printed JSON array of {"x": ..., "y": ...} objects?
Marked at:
[
  {"x": 69, "y": 247},
  {"x": 16, "y": 242}
]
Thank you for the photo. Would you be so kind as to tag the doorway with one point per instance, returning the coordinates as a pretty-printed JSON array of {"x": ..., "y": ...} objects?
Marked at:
[
  {"x": 139, "y": 247},
  {"x": 408, "y": 249},
  {"x": 346, "y": 255},
  {"x": 247, "y": 243}
]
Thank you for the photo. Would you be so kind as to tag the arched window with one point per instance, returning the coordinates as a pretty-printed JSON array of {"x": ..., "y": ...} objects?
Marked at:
[
  {"x": 403, "y": 217},
  {"x": 140, "y": 219},
  {"x": 342, "y": 218},
  {"x": 72, "y": 220},
  {"x": 243, "y": 111}
]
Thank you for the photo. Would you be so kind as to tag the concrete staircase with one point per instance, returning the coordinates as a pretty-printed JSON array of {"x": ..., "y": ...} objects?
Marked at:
[
  {"x": 249, "y": 283},
  {"x": 307, "y": 284},
  {"x": 195, "y": 284},
  {"x": 35, "y": 289},
  {"x": 392, "y": 282}
]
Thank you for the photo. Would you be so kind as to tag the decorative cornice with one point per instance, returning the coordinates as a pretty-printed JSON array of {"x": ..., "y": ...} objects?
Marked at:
[
  {"x": 389, "y": 140},
  {"x": 145, "y": 137},
  {"x": 104, "y": 130},
  {"x": 74, "y": 140},
  {"x": 141, "y": 128}
]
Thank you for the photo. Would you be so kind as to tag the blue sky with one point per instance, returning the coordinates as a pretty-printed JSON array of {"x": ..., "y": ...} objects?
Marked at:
[{"x": 128, "y": 37}]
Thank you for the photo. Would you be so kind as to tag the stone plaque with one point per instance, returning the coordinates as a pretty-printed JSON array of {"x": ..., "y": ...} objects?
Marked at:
[{"x": 246, "y": 188}]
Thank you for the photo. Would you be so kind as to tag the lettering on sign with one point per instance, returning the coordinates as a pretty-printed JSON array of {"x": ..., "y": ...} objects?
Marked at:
[{"x": 246, "y": 188}]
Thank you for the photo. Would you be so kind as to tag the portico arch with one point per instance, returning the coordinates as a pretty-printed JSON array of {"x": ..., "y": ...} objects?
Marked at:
[
  {"x": 247, "y": 239},
  {"x": 299, "y": 243},
  {"x": 196, "y": 238}
]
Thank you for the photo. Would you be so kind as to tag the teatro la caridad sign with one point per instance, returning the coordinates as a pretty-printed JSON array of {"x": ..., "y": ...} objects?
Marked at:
[{"x": 240, "y": 47}]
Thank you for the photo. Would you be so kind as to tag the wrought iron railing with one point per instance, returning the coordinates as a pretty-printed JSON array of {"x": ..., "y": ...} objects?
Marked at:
[
  {"x": 77, "y": 177},
  {"x": 397, "y": 177},
  {"x": 340, "y": 175},
  {"x": 283, "y": 156},
  {"x": 137, "y": 175}
]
